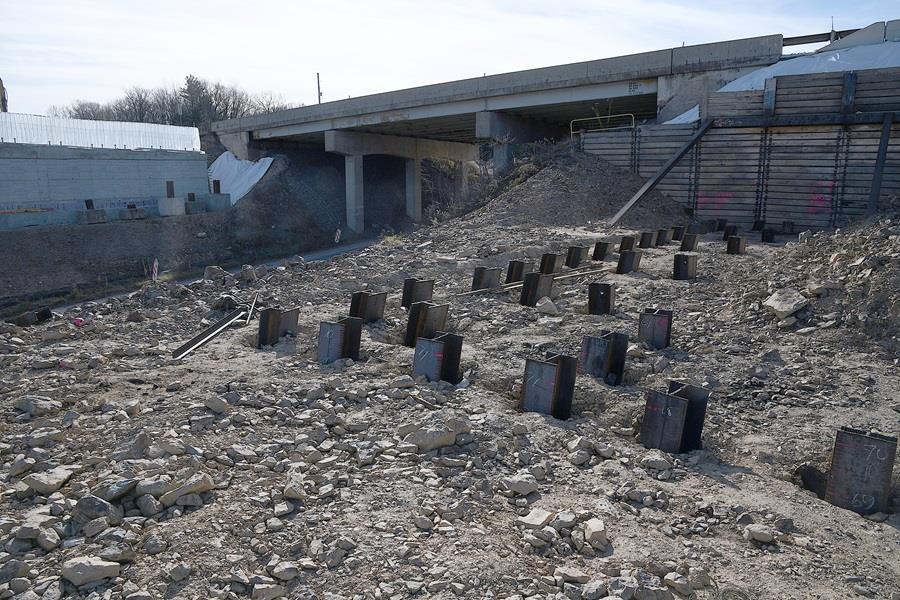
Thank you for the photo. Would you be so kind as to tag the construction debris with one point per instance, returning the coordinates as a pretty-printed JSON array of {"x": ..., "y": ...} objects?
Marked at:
[{"x": 263, "y": 473}]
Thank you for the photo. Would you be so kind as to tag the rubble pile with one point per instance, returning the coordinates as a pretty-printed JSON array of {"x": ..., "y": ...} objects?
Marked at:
[
  {"x": 244, "y": 473},
  {"x": 575, "y": 189},
  {"x": 851, "y": 278}
]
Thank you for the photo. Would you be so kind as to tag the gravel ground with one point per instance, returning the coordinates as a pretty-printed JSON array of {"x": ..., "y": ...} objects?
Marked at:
[{"x": 245, "y": 473}]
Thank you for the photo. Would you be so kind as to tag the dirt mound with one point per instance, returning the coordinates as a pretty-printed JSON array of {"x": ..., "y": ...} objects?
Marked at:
[
  {"x": 297, "y": 205},
  {"x": 575, "y": 189}
]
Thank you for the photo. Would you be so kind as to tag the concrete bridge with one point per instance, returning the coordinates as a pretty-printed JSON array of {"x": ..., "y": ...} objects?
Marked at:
[{"x": 450, "y": 120}]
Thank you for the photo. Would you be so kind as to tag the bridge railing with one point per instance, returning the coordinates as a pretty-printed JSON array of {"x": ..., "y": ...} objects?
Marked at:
[{"x": 601, "y": 123}]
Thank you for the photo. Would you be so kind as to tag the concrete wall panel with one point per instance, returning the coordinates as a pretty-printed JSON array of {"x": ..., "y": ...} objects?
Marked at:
[
  {"x": 892, "y": 31},
  {"x": 873, "y": 34},
  {"x": 763, "y": 50},
  {"x": 633, "y": 66},
  {"x": 34, "y": 176}
]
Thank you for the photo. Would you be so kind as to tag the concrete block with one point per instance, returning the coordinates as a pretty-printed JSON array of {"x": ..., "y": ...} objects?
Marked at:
[
  {"x": 91, "y": 217},
  {"x": 892, "y": 31},
  {"x": 171, "y": 207},
  {"x": 132, "y": 214},
  {"x": 194, "y": 208},
  {"x": 218, "y": 202}
]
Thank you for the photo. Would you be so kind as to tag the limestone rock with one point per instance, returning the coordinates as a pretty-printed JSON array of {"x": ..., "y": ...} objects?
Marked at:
[
  {"x": 594, "y": 590},
  {"x": 595, "y": 533},
  {"x": 178, "y": 571},
  {"x": 571, "y": 575},
  {"x": 286, "y": 571},
  {"x": 49, "y": 481},
  {"x": 537, "y": 518},
  {"x": 440, "y": 429},
  {"x": 545, "y": 306},
  {"x": 267, "y": 591},
  {"x": 86, "y": 569},
  {"x": 785, "y": 302},
  {"x": 679, "y": 583},
  {"x": 758, "y": 533},
  {"x": 114, "y": 489},
  {"x": 38, "y": 406},
  {"x": 48, "y": 539},
  {"x": 195, "y": 485},
  {"x": 217, "y": 405},
  {"x": 656, "y": 461},
  {"x": 519, "y": 485},
  {"x": 91, "y": 507}
]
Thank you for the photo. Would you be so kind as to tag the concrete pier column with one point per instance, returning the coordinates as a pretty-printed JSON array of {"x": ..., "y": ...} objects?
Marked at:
[
  {"x": 353, "y": 176},
  {"x": 462, "y": 180},
  {"x": 503, "y": 157},
  {"x": 414, "y": 189}
]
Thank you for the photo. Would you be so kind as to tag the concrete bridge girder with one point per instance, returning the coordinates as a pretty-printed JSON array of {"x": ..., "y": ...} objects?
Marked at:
[
  {"x": 462, "y": 107},
  {"x": 493, "y": 92}
]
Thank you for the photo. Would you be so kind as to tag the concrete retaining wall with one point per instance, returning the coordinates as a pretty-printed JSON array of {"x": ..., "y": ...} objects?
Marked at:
[{"x": 53, "y": 177}]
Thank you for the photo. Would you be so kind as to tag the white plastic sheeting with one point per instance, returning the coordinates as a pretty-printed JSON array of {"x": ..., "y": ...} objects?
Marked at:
[
  {"x": 237, "y": 177},
  {"x": 36, "y": 129},
  {"x": 876, "y": 56}
]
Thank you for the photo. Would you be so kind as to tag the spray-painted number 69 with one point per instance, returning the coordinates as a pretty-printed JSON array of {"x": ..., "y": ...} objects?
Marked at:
[{"x": 862, "y": 501}]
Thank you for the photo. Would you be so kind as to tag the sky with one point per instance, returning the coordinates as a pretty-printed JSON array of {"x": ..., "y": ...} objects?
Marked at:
[{"x": 53, "y": 52}]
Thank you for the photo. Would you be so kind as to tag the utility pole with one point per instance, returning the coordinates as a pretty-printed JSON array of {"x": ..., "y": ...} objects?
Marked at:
[{"x": 319, "y": 87}]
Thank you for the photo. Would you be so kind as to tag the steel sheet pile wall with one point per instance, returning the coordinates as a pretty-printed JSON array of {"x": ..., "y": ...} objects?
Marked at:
[{"x": 814, "y": 175}]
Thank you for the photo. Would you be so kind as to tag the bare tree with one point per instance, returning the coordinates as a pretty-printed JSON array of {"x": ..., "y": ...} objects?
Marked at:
[
  {"x": 198, "y": 103},
  {"x": 136, "y": 105},
  {"x": 167, "y": 108},
  {"x": 269, "y": 102},
  {"x": 81, "y": 109}
]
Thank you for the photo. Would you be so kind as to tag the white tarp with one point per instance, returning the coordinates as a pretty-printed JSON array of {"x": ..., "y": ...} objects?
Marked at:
[
  {"x": 237, "y": 177},
  {"x": 876, "y": 56},
  {"x": 37, "y": 129}
]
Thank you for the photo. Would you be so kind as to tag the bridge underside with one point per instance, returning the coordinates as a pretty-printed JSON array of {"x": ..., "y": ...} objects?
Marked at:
[
  {"x": 461, "y": 128},
  {"x": 447, "y": 136},
  {"x": 448, "y": 120}
]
